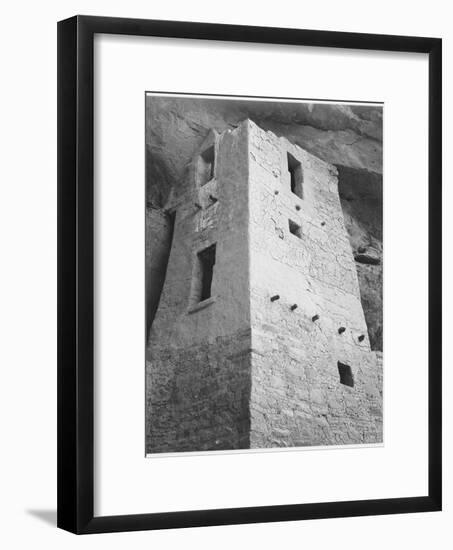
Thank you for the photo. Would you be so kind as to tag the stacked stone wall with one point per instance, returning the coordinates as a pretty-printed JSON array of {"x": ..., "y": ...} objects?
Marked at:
[
  {"x": 198, "y": 356},
  {"x": 198, "y": 396},
  {"x": 306, "y": 312}
]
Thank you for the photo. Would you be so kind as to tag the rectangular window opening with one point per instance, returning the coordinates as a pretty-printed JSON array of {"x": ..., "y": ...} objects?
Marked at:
[
  {"x": 346, "y": 376},
  {"x": 295, "y": 229},
  {"x": 206, "y": 259},
  {"x": 296, "y": 176},
  {"x": 206, "y": 165}
]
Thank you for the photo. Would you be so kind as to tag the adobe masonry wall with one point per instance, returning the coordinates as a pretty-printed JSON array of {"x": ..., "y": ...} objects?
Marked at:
[
  {"x": 198, "y": 396},
  {"x": 198, "y": 359},
  {"x": 200, "y": 222},
  {"x": 297, "y": 398}
]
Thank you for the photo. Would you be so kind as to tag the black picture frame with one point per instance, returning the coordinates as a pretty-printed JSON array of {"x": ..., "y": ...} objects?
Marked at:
[{"x": 76, "y": 260}]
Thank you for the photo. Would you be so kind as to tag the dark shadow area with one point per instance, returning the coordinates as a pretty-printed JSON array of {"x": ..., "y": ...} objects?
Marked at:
[
  {"x": 159, "y": 236},
  {"x": 361, "y": 202},
  {"x": 346, "y": 376},
  {"x": 47, "y": 516}
]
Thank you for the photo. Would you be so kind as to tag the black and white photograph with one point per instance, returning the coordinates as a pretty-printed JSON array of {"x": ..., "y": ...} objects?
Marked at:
[{"x": 264, "y": 273}]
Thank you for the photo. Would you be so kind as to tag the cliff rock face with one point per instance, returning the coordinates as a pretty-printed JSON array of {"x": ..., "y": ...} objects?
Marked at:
[{"x": 350, "y": 137}]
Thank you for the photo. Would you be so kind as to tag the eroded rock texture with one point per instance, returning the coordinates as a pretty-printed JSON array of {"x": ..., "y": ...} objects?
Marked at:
[{"x": 350, "y": 137}]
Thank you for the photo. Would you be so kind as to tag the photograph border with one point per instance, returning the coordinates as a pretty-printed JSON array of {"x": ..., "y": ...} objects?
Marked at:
[
  {"x": 76, "y": 274},
  {"x": 276, "y": 100}
]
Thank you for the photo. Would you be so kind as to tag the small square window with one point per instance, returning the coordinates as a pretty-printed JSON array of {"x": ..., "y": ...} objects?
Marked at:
[
  {"x": 346, "y": 376},
  {"x": 295, "y": 229}
]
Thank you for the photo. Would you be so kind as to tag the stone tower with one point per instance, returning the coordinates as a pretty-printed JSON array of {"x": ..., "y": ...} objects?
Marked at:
[{"x": 259, "y": 339}]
